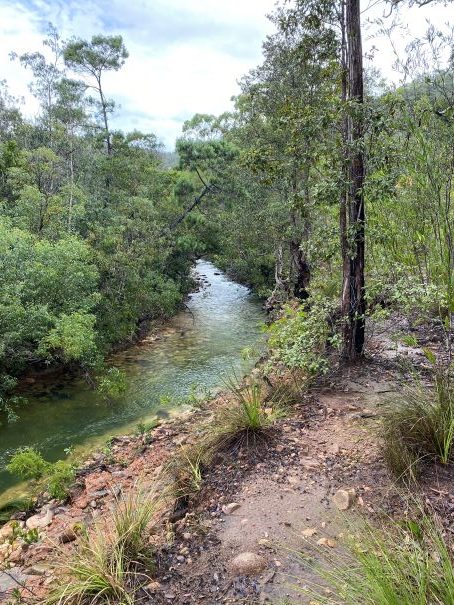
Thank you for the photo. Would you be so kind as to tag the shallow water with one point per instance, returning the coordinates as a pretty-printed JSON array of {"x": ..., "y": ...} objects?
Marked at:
[{"x": 201, "y": 346}]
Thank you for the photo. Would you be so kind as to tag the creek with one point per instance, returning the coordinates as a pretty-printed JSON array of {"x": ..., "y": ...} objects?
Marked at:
[{"x": 193, "y": 355}]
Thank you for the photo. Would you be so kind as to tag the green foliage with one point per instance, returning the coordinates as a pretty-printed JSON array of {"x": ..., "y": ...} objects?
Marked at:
[
  {"x": 59, "y": 480},
  {"x": 87, "y": 253},
  {"x": 27, "y": 463},
  {"x": 56, "y": 478},
  {"x": 299, "y": 339},
  {"x": 404, "y": 564},
  {"x": 29, "y": 536},
  {"x": 112, "y": 383},
  {"x": 72, "y": 338}
]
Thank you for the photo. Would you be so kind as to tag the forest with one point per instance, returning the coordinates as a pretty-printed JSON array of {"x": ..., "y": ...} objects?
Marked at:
[{"x": 328, "y": 191}]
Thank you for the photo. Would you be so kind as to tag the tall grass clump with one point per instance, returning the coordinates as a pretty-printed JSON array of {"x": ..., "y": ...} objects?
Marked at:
[
  {"x": 248, "y": 419},
  {"x": 418, "y": 425},
  {"x": 405, "y": 564},
  {"x": 112, "y": 560},
  {"x": 184, "y": 471}
]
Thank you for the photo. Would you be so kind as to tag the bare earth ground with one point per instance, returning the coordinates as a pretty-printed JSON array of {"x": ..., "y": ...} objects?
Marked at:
[{"x": 283, "y": 491}]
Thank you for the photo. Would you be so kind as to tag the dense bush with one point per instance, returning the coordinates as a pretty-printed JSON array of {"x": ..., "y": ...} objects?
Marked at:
[{"x": 299, "y": 339}]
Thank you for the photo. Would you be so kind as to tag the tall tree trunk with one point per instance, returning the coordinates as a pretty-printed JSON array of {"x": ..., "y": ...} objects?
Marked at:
[{"x": 353, "y": 295}]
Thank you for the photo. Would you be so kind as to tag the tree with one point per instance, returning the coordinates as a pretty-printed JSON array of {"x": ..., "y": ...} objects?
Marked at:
[
  {"x": 47, "y": 74},
  {"x": 353, "y": 214},
  {"x": 92, "y": 59}
]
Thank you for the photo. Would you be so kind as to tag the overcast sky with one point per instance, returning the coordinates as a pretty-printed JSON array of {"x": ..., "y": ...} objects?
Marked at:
[{"x": 185, "y": 55}]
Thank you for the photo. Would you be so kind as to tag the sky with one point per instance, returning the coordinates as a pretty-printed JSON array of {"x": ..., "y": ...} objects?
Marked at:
[{"x": 186, "y": 56}]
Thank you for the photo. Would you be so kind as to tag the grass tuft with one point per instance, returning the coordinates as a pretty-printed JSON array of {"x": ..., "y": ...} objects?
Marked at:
[
  {"x": 417, "y": 425},
  {"x": 108, "y": 566},
  {"x": 405, "y": 564},
  {"x": 247, "y": 421},
  {"x": 185, "y": 471}
]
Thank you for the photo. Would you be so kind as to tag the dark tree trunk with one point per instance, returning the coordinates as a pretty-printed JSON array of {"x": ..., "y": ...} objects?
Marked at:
[
  {"x": 302, "y": 271},
  {"x": 353, "y": 295}
]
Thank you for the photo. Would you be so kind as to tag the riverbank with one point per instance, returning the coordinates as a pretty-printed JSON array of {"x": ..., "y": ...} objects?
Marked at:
[
  {"x": 318, "y": 471},
  {"x": 190, "y": 357}
]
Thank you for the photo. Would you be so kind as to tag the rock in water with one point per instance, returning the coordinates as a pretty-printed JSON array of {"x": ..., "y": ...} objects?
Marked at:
[{"x": 247, "y": 564}]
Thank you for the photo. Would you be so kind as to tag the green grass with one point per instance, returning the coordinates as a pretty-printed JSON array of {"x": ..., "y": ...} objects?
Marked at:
[
  {"x": 112, "y": 560},
  {"x": 184, "y": 471},
  {"x": 247, "y": 420},
  {"x": 419, "y": 425},
  {"x": 400, "y": 564}
]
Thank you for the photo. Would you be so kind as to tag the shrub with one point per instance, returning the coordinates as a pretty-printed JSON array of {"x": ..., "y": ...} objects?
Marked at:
[
  {"x": 27, "y": 463},
  {"x": 60, "y": 477},
  {"x": 401, "y": 564},
  {"x": 112, "y": 383},
  {"x": 300, "y": 337},
  {"x": 419, "y": 424}
]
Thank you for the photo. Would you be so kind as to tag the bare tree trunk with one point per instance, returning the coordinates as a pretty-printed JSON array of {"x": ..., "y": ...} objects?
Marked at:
[
  {"x": 343, "y": 223},
  {"x": 353, "y": 295},
  {"x": 104, "y": 116}
]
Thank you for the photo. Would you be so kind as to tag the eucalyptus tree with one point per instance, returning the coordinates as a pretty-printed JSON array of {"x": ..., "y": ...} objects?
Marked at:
[
  {"x": 92, "y": 59},
  {"x": 47, "y": 70},
  {"x": 352, "y": 210}
]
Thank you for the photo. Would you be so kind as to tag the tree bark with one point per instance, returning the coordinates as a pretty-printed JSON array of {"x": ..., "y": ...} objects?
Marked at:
[{"x": 353, "y": 295}]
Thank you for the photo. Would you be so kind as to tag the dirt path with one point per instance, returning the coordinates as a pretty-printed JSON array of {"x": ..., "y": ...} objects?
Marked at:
[
  {"x": 279, "y": 501},
  {"x": 274, "y": 501}
]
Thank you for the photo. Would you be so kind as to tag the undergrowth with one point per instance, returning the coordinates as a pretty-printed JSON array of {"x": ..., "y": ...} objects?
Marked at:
[
  {"x": 418, "y": 425},
  {"x": 407, "y": 563}
]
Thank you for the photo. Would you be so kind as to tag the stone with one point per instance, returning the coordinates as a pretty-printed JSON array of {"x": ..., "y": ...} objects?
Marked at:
[
  {"x": 327, "y": 542},
  {"x": 39, "y": 569},
  {"x": 9, "y": 581},
  {"x": 67, "y": 536},
  {"x": 228, "y": 509},
  {"x": 39, "y": 522},
  {"x": 16, "y": 556},
  {"x": 344, "y": 498},
  {"x": 309, "y": 532},
  {"x": 247, "y": 564},
  {"x": 7, "y": 531}
]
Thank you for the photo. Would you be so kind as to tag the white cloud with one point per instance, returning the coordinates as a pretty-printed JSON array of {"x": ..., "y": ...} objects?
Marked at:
[{"x": 185, "y": 55}]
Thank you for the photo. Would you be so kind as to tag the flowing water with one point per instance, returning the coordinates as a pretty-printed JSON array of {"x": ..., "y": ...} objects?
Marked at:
[{"x": 201, "y": 346}]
